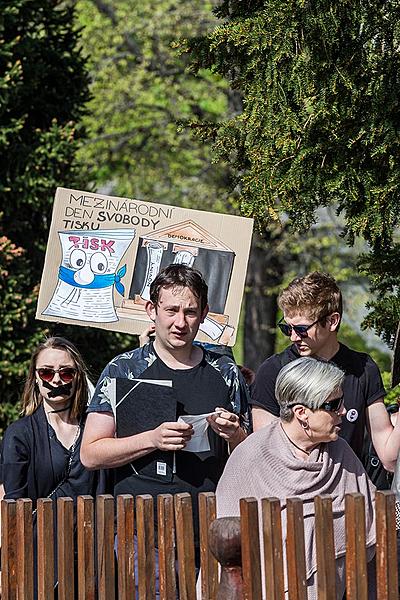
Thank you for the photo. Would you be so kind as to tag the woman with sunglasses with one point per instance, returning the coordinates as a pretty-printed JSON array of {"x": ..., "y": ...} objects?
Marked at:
[
  {"x": 41, "y": 449},
  {"x": 302, "y": 455}
]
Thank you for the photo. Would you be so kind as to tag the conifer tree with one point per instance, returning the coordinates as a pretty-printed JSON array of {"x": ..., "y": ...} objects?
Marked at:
[
  {"x": 43, "y": 90},
  {"x": 320, "y": 122}
]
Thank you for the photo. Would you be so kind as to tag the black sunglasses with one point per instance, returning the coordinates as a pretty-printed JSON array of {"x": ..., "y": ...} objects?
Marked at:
[
  {"x": 333, "y": 405},
  {"x": 66, "y": 374},
  {"x": 300, "y": 330},
  {"x": 330, "y": 405}
]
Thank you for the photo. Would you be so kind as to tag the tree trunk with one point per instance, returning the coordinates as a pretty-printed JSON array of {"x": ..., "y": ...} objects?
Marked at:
[{"x": 264, "y": 278}]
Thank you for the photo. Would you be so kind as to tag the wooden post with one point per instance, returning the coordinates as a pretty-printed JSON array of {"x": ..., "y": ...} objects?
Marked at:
[
  {"x": 273, "y": 552},
  {"x": 185, "y": 546},
  {"x": 295, "y": 550},
  {"x": 386, "y": 547},
  {"x": 8, "y": 550},
  {"x": 24, "y": 549},
  {"x": 325, "y": 548},
  {"x": 225, "y": 544},
  {"x": 85, "y": 522},
  {"x": 105, "y": 547},
  {"x": 65, "y": 546},
  {"x": 126, "y": 550},
  {"x": 45, "y": 545},
  {"x": 208, "y": 563},
  {"x": 166, "y": 547},
  {"x": 251, "y": 561},
  {"x": 146, "y": 553},
  {"x": 356, "y": 556}
]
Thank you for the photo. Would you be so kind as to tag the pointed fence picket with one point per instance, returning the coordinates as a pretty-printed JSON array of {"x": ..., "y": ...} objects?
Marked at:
[{"x": 90, "y": 562}]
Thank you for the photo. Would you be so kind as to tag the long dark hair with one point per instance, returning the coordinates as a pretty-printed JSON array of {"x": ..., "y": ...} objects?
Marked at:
[{"x": 31, "y": 398}]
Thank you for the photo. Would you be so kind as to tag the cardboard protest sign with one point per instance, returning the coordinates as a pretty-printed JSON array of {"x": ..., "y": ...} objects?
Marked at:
[{"x": 103, "y": 253}]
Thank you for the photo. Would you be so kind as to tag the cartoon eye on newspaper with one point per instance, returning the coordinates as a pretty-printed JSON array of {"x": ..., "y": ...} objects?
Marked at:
[{"x": 88, "y": 274}]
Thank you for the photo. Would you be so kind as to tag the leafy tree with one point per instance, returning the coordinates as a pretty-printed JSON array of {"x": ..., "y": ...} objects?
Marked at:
[
  {"x": 43, "y": 88},
  {"x": 141, "y": 92},
  {"x": 143, "y": 96},
  {"x": 320, "y": 121}
]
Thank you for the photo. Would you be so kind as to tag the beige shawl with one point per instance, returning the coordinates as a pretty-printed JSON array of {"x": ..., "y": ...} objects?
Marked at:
[{"x": 265, "y": 465}]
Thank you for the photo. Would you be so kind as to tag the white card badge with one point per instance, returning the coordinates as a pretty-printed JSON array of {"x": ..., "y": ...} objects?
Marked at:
[{"x": 161, "y": 468}]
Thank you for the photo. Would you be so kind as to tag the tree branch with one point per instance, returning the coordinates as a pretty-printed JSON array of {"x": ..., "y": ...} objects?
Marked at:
[{"x": 107, "y": 10}]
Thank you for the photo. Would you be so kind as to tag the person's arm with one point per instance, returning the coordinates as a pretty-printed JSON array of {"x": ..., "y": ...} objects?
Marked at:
[
  {"x": 261, "y": 417},
  {"x": 385, "y": 437},
  {"x": 100, "y": 449},
  {"x": 16, "y": 462},
  {"x": 265, "y": 408},
  {"x": 234, "y": 426}
]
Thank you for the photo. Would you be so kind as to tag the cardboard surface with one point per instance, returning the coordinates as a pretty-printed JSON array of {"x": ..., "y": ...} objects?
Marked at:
[{"x": 103, "y": 253}]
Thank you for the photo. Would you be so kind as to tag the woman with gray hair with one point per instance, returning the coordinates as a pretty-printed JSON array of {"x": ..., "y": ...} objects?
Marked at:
[{"x": 301, "y": 455}]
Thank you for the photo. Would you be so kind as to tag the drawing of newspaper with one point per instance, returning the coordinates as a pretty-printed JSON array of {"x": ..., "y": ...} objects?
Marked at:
[{"x": 89, "y": 273}]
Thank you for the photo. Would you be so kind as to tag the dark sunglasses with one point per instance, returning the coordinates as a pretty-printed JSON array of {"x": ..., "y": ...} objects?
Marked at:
[
  {"x": 66, "y": 374},
  {"x": 333, "y": 405},
  {"x": 300, "y": 330}
]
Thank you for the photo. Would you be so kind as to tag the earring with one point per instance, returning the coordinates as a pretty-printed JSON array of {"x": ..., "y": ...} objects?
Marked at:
[{"x": 304, "y": 424}]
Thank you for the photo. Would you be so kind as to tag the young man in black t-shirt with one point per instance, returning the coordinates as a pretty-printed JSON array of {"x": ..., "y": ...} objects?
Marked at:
[
  {"x": 312, "y": 311},
  {"x": 170, "y": 376}
]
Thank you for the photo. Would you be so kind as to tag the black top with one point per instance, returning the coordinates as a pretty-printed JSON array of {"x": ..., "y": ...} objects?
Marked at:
[
  {"x": 160, "y": 394},
  {"x": 195, "y": 391},
  {"x": 362, "y": 387},
  {"x": 35, "y": 462}
]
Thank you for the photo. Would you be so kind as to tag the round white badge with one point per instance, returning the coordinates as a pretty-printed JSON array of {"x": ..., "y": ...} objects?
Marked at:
[{"x": 352, "y": 415}]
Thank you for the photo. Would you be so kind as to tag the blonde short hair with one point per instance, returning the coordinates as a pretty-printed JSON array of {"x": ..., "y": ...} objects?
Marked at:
[{"x": 316, "y": 294}]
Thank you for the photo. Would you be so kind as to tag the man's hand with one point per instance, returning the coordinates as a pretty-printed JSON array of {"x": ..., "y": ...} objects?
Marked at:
[
  {"x": 144, "y": 337},
  {"x": 171, "y": 435},
  {"x": 224, "y": 423},
  {"x": 227, "y": 425}
]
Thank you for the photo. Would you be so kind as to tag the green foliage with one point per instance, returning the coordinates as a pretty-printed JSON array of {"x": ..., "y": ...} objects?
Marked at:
[
  {"x": 17, "y": 302},
  {"x": 384, "y": 270},
  {"x": 8, "y": 412},
  {"x": 43, "y": 88},
  {"x": 393, "y": 393},
  {"x": 320, "y": 120},
  {"x": 141, "y": 94}
]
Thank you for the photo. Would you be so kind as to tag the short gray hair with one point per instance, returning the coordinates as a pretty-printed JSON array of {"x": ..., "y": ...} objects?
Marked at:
[{"x": 307, "y": 381}]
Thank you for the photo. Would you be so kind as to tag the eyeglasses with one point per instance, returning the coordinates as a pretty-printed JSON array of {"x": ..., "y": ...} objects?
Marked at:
[
  {"x": 66, "y": 374},
  {"x": 300, "y": 330},
  {"x": 333, "y": 405}
]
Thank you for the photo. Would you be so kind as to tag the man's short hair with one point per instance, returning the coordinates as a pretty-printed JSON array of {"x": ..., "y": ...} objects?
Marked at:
[
  {"x": 180, "y": 276},
  {"x": 308, "y": 381},
  {"x": 316, "y": 294}
]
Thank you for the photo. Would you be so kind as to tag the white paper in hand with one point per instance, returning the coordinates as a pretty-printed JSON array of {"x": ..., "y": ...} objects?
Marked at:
[{"x": 199, "y": 440}]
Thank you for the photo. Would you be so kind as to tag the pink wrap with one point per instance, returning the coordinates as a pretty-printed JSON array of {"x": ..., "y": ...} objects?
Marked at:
[{"x": 264, "y": 465}]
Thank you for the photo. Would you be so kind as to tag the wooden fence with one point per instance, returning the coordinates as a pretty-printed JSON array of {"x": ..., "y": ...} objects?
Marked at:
[{"x": 234, "y": 541}]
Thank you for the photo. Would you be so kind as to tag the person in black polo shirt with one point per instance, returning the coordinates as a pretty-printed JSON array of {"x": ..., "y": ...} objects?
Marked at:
[
  {"x": 171, "y": 376},
  {"x": 312, "y": 311}
]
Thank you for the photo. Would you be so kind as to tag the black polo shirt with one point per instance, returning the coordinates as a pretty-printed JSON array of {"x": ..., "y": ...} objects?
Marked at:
[{"x": 362, "y": 387}]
